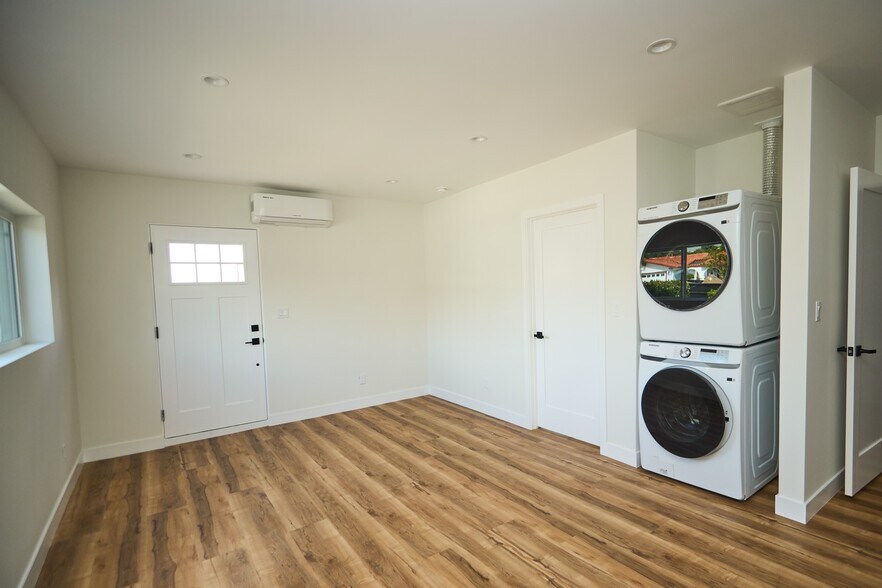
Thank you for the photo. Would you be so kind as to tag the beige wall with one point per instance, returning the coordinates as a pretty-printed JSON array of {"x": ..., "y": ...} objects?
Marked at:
[
  {"x": 733, "y": 164},
  {"x": 827, "y": 132},
  {"x": 39, "y": 407},
  {"x": 477, "y": 342},
  {"x": 879, "y": 144},
  {"x": 356, "y": 293},
  {"x": 665, "y": 171}
]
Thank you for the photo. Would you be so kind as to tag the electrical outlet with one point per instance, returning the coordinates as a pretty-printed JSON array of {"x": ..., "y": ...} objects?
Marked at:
[
  {"x": 284, "y": 312},
  {"x": 362, "y": 379}
]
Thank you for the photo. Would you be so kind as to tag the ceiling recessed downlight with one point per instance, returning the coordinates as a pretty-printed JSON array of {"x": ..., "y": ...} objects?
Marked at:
[
  {"x": 478, "y": 139},
  {"x": 661, "y": 46},
  {"x": 441, "y": 188},
  {"x": 391, "y": 181},
  {"x": 216, "y": 81},
  {"x": 192, "y": 156}
]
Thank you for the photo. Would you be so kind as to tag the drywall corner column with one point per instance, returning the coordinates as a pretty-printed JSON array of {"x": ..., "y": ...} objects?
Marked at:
[
  {"x": 827, "y": 132},
  {"x": 794, "y": 281}
]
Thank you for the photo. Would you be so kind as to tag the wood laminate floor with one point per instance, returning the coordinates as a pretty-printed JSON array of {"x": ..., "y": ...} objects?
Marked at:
[{"x": 424, "y": 493}]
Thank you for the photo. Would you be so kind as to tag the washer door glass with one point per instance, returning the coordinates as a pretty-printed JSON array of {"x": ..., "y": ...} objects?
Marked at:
[
  {"x": 685, "y": 265},
  {"x": 684, "y": 413}
]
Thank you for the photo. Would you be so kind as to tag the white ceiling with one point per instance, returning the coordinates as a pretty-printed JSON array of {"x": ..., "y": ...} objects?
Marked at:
[{"x": 337, "y": 96}]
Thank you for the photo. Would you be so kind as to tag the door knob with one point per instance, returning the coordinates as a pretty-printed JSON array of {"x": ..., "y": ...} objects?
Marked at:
[
  {"x": 254, "y": 341},
  {"x": 858, "y": 351},
  {"x": 539, "y": 335}
]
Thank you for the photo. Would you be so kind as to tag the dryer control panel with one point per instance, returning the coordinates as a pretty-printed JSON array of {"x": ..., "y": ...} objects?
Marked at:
[{"x": 692, "y": 206}]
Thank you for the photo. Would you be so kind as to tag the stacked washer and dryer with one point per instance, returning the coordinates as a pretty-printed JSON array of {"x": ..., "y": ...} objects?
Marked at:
[{"x": 709, "y": 303}]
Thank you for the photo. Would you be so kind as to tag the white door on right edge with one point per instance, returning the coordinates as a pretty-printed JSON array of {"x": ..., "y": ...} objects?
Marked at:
[
  {"x": 863, "y": 395},
  {"x": 569, "y": 323}
]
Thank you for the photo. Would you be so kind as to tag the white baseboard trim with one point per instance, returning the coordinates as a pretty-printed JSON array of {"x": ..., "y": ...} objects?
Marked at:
[
  {"x": 303, "y": 414},
  {"x": 112, "y": 450},
  {"x": 483, "y": 407},
  {"x": 151, "y": 443},
  {"x": 41, "y": 549},
  {"x": 623, "y": 454},
  {"x": 802, "y": 512}
]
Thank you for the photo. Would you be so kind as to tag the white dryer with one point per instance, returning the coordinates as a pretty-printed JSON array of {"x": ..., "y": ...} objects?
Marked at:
[
  {"x": 710, "y": 269},
  {"x": 709, "y": 415}
]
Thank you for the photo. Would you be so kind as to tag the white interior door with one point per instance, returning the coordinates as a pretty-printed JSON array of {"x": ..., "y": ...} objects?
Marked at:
[
  {"x": 207, "y": 289},
  {"x": 863, "y": 404},
  {"x": 568, "y": 296}
]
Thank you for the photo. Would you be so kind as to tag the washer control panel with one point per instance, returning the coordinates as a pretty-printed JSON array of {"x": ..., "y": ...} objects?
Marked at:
[{"x": 691, "y": 353}]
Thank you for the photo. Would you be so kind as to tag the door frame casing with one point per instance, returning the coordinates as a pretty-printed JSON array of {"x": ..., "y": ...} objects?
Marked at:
[
  {"x": 528, "y": 218},
  {"x": 168, "y": 441}
]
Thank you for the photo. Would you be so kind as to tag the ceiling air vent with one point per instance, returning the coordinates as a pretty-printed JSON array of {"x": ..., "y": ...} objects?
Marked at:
[{"x": 753, "y": 102}]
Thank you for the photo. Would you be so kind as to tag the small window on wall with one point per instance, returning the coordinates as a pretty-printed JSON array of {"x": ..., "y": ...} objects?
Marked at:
[
  {"x": 206, "y": 263},
  {"x": 26, "y": 318},
  {"x": 10, "y": 321}
]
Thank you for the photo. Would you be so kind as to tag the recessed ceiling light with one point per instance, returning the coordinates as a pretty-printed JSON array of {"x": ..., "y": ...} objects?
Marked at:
[
  {"x": 192, "y": 156},
  {"x": 392, "y": 181},
  {"x": 478, "y": 139},
  {"x": 661, "y": 46},
  {"x": 441, "y": 188},
  {"x": 216, "y": 81}
]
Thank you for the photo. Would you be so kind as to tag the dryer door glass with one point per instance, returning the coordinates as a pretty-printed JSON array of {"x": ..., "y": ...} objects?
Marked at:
[
  {"x": 685, "y": 265},
  {"x": 683, "y": 412}
]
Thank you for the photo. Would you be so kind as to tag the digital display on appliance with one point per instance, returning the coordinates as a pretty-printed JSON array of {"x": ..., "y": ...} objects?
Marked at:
[{"x": 711, "y": 201}]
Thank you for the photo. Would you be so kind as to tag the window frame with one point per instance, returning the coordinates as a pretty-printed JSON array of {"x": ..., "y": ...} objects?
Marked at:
[{"x": 19, "y": 341}]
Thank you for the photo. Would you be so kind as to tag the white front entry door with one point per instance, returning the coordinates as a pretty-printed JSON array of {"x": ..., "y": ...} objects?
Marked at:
[
  {"x": 568, "y": 314},
  {"x": 863, "y": 395},
  {"x": 206, "y": 285}
]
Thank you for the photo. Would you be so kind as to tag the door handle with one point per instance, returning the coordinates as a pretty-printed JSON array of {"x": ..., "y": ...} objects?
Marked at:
[
  {"x": 254, "y": 341},
  {"x": 539, "y": 335},
  {"x": 858, "y": 351},
  {"x": 847, "y": 350}
]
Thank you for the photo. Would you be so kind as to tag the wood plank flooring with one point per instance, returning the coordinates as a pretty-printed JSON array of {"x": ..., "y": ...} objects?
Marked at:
[{"x": 424, "y": 493}]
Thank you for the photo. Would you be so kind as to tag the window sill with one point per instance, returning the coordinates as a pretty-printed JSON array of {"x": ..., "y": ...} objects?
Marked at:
[{"x": 14, "y": 355}]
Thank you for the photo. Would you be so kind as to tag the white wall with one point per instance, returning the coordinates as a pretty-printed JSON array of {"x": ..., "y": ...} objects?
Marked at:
[
  {"x": 733, "y": 164},
  {"x": 879, "y": 144},
  {"x": 356, "y": 292},
  {"x": 826, "y": 133},
  {"x": 665, "y": 171},
  {"x": 476, "y": 284},
  {"x": 38, "y": 412}
]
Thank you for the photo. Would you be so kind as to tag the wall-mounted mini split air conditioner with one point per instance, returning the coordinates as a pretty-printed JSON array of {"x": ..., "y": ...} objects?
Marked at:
[{"x": 275, "y": 209}]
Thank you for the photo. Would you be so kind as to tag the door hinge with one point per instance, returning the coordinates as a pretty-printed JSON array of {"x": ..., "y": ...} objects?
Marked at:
[
  {"x": 156, "y": 331},
  {"x": 150, "y": 247},
  {"x": 162, "y": 415}
]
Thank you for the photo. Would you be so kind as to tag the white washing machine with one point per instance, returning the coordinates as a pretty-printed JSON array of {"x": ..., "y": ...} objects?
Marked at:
[
  {"x": 710, "y": 269},
  {"x": 709, "y": 415}
]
